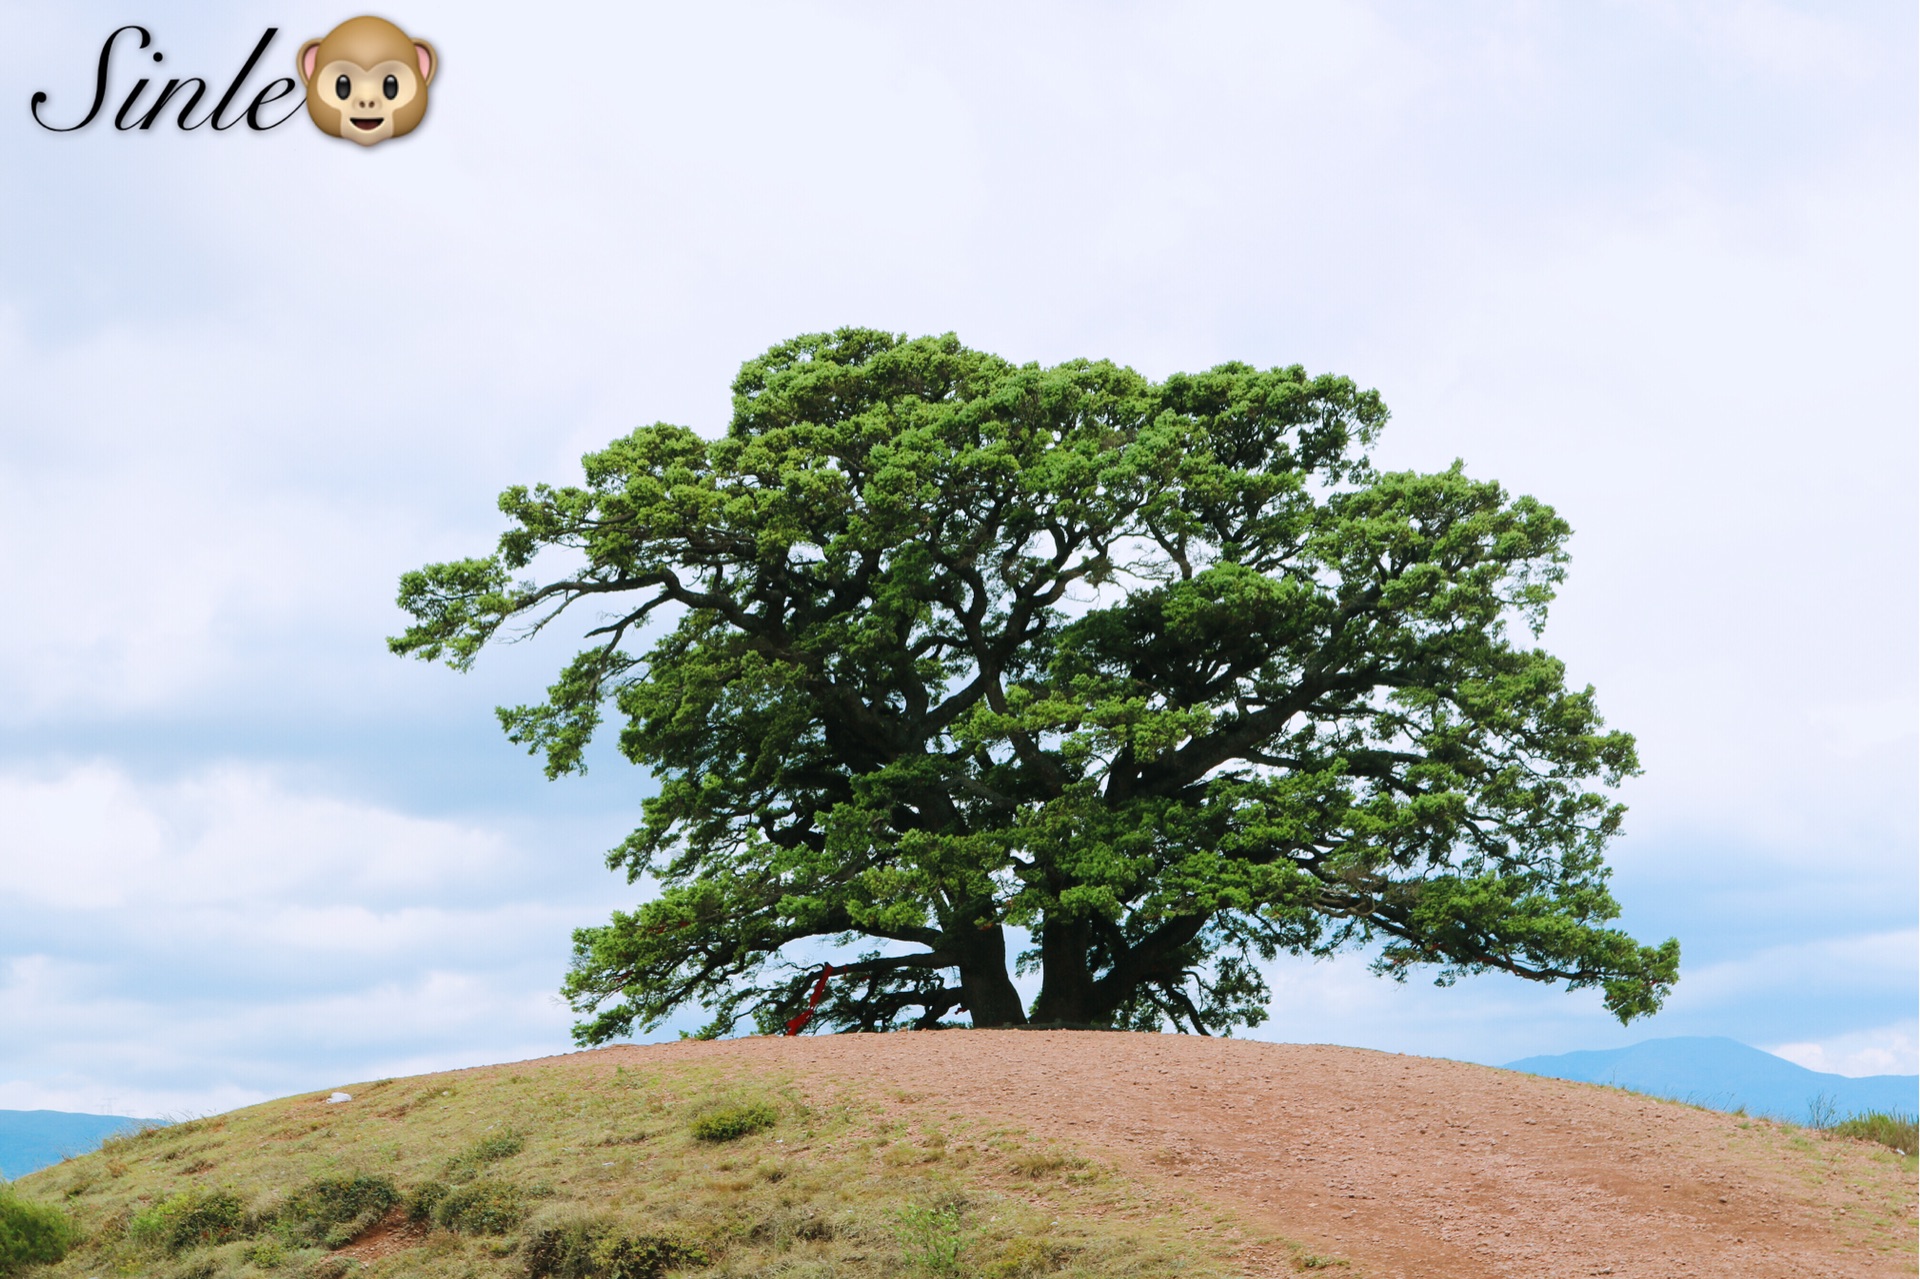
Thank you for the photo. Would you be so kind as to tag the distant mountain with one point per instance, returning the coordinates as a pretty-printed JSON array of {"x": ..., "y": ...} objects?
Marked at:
[
  {"x": 33, "y": 1139},
  {"x": 1725, "y": 1074}
]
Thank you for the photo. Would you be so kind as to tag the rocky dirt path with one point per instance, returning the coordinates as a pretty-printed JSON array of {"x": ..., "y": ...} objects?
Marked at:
[{"x": 1408, "y": 1166}]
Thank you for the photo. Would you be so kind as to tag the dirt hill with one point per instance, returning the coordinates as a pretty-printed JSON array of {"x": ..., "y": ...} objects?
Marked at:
[{"x": 993, "y": 1153}]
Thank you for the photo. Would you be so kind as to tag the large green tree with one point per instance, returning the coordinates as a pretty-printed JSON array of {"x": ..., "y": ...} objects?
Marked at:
[{"x": 930, "y": 647}]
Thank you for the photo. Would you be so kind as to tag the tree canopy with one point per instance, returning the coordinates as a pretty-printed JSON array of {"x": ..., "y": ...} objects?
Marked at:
[{"x": 931, "y": 647}]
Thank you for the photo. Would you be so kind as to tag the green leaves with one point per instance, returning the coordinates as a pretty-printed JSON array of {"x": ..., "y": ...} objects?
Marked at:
[
  {"x": 930, "y": 644},
  {"x": 457, "y": 608}
]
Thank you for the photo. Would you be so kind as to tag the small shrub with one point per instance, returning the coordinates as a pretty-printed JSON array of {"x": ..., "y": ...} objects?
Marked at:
[
  {"x": 32, "y": 1234},
  {"x": 480, "y": 1208},
  {"x": 931, "y": 1238},
  {"x": 560, "y": 1252},
  {"x": 501, "y": 1146},
  {"x": 335, "y": 1210},
  {"x": 191, "y": 1219},
  {"x": 268, "y": 1254},
  {"x": 648, "y": 1256},
  {"x": 590, "y": 1250},
  {"x": 726, "y": 1123},
  {"x": 423, "y": 1199},
  {"x": 1899, "y": 1133},
  {"x": 1027, "y": 1256},
  {"x": 470, "y": 1162}
]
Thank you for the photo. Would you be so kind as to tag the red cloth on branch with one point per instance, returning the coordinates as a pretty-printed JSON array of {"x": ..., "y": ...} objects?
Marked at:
[{"x": 799, "y": 1022}]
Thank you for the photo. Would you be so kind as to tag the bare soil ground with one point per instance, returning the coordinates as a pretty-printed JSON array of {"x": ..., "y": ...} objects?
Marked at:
[
  {"x": 1400, "y": 1166},
  {"x": 393, "y": 1235}
]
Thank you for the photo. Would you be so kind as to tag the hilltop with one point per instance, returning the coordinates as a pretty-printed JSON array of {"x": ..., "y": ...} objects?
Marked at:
[{"x": 1001, "y": 1153}]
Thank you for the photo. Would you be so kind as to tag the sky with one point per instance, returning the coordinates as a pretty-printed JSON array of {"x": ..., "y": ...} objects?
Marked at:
[{"x": 1652, "y": 263}]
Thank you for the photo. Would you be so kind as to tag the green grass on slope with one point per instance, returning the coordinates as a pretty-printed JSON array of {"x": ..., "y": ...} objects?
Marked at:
[
  {"x": 577, "y": 1171},
  {"x": 1898, "y": 1133}
]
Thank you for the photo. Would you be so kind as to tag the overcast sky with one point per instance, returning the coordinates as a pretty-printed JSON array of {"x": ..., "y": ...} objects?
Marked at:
[{"x": 1651, "y": 263}]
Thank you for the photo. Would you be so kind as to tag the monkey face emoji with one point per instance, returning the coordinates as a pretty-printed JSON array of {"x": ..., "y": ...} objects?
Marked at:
[{"x": 367, "y": 80}]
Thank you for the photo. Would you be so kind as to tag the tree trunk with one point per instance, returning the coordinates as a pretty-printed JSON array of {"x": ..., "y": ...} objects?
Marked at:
[
  {"x": 1066, "y": 983},
  {"x": 991, "y": 998}
]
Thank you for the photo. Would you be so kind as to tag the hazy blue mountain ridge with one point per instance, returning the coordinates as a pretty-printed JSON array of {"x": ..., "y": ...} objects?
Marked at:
[
  {"x": 34, "y": 1139},
  {"x": 1725, "y": 1074}
]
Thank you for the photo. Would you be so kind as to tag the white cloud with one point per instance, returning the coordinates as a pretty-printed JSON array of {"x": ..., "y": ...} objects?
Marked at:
[
  {"x": 94, "y": 1097},
  {"x": 1852, "y": 730},
  {"x": 169, "y": 1062},
  {"x": 1837, "y": 972},
  {"x": 1884, "y": 1050},
  {"x": 194, "y": 943},
  {"x": 1776, "y": 39},
  {"x": 231, "y": 838}
]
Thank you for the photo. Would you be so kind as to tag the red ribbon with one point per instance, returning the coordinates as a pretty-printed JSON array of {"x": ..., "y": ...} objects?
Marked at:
[{"x": 800, "y": 1020}]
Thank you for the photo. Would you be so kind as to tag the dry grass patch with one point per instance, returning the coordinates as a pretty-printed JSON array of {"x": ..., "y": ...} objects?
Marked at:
[{"x": 568, "y": 1171}]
